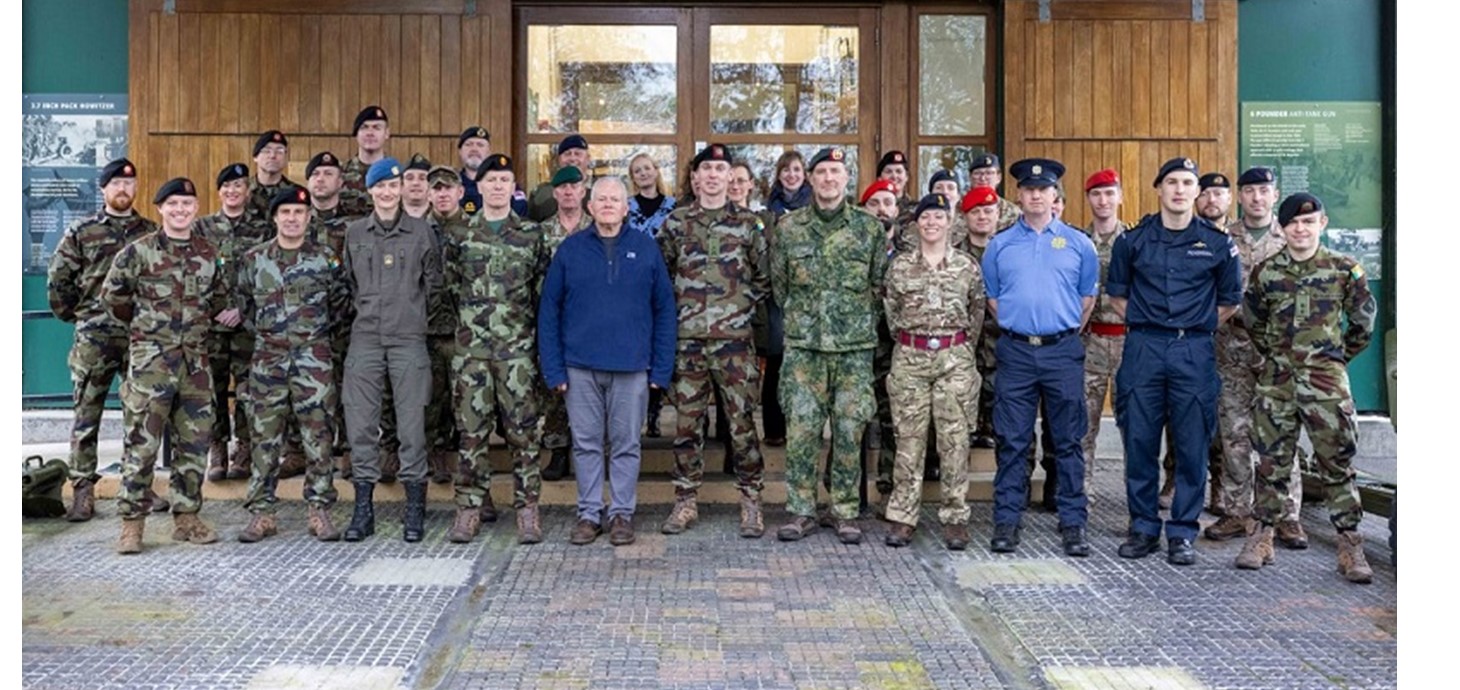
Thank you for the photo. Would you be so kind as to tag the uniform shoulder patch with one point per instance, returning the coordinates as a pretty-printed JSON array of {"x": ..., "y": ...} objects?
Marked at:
[{"x": 1357, "y": 271}]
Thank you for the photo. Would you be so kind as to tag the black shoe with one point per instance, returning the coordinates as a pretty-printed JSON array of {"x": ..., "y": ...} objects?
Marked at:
[
  {"x": 1005, "y": 539},
  {"x": 1139, "y": 545},
  {"x": 1072, "y": 537},
  {"x": 1180, "y": 552},
  {"x": 415, "y": 518},
  {"x": 557, "y": 466},
  {"x": 362, "y": 522},
  {"x": 984, "y": 442},
  {"x": 652, "y": 426}
]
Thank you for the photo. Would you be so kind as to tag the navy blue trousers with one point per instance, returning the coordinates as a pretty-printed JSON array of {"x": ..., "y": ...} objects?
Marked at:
[
  {"x": 1166, "y": 379},
  {"x": 1057, "y": 372}
]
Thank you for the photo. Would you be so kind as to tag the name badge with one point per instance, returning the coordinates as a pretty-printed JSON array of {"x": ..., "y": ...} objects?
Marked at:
[{"x": 389, "y": 260}]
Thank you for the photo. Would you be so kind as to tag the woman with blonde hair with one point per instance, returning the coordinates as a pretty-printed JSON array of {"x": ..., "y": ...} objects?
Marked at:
[{"x": 650, "y": 205}]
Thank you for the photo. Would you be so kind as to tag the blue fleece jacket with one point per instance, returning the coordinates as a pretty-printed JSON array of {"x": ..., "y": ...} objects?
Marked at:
[{"x": 607, "y": 312}]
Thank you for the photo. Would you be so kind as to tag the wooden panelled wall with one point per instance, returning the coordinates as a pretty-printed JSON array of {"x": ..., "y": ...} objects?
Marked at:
[{"x": 1126, "y": 85}]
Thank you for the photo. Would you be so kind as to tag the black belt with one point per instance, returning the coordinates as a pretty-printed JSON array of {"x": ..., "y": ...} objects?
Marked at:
[
  {"x": 1178, "y": 333},
  {"x": 1038, "y": 340}
]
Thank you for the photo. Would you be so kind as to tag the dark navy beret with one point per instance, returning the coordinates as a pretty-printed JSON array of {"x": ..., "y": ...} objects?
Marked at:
[
  {"x": 1300, "y": 204},
  {"x": 323, "y": 159},
  {"x": 473, "y": 133},
  {"x": 1174, "y": 165},
  {"x": 932, "y": 202},
  {"x": 1213, "y": 180},
  {"x": 984, "y": 160},
  {"x": 572, "y": 141},
  {"x": 177, "y": 186},
  {"x": 231, "y": 172},
  {"x": 939, "y": 177}
]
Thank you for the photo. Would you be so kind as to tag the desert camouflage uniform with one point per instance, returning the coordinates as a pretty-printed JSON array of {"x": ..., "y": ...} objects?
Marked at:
[
  {"x": 555, "y": 433},
  {"x": 232, "y": 348}
]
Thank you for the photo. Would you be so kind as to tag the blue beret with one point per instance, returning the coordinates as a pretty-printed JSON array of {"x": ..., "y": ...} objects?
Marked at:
[
  {"x": 1037, "y": 172},
  {"x": 120, "y": 167},
  {"x": 323, "y": 159},
  {"x": 231, "y": 172},
  {"x": 932, "y": 202},
  {"x": 177, "y": 186},
  {"x": 272, "y": 136},
  {"x": 1300, "y": 204},
  {"x": 368, "y": 113},
  {"x": 984, "y": 160},
  {"x": 1174, "y": 165},
  {"x": 287, "y": 195},
  {"x": 939, "y": 176},
  {"x": 1257, "y": 175},
  {"x": 572, "y": 141},
  {"x": 832, "y": 154},
  {"x": 567, "y": 175},
  {"x": 383, "y": 169}
]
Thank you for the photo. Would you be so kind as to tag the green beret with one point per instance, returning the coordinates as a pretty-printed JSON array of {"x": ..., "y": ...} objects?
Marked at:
[{"x": 567, "y": 175}]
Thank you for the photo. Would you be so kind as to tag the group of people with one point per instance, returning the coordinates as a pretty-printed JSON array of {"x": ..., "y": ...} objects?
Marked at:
[{"x": 386, "y": 318}]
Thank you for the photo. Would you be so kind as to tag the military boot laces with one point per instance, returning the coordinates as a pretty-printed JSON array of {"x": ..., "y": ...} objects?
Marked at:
[
  {"x": 362, "y": 521},
  {"x": 261, "y": 526},
  {"x": 414, "y": 523},
  {"x": 189, "y": 527},
  {"x": 131, "y": 540},
  {"x": 1352, "y": 563},
  {"x": 321, "y": 527},
  {"x": 1257, "y": 551},
  {"x": 685, "y": 513},
  {"x": 464, "y": 529}
]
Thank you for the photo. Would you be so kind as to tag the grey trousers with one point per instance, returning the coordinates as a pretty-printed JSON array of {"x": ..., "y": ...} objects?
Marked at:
[
  {"x": 409, "y": 367},
  {"x": 612, "y": 404}
]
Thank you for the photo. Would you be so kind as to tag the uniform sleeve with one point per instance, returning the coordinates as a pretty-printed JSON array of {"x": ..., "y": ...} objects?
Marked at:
[
  {"x": 990, "y": 267},
  {"x": 431, "y": 274},
  {"x": 347, "y": 278},
  {"x": 666, "y": 329},
  {"x": 668, "y": 241},
  {"x": 1118, "y": 274},
  {"x": 879, "y": 264},
  {"x": 243, "y": 292},
  {"x": 1089, "y": 265},
  {"x": 1229, "y": 276},
  {"x": 220, "y": 295},
  {"x": 66, "y": 265},
  {"x": 339, "y": 298},
  {"x": 451, "y": 275},
  {"x": 550, "y": 323},
  {"x": 780, "y": 272},
  {"x": 1360, "y": 308},
  {"x": 760, "y": 280},
  {"x": 892, "y": 299},
  {"x": 542, "y": 257},
  {"x": 978, "y": 304},
  {"x": 120, "y": 285},
  {"x": 1255, "y": 309}
]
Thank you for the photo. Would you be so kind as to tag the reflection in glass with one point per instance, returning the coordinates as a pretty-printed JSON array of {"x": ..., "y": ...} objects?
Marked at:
[
  {"x": 954, "y": 159},
  {"x": 762, "y": 161},
  {"x": 608, "y": 159},
  {"x": 779, "y": 79},
  {"x": 601, "y": 79},
  {"x": 951, "y": 51}
]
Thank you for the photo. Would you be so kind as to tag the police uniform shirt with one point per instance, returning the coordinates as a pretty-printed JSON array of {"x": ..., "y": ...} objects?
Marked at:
[
  {"x": 1040, "y": 278},
  {"x": 1174, "y": 280}
]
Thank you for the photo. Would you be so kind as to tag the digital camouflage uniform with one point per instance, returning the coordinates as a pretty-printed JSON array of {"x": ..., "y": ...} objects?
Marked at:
[
  {"x": 554, "y": 410},
  {"x": 328, "y": 228},
  {"x": 826, "y": 268},
  {"x": 1102, "y": 349},
  {"x": 259, "y": 195},
  {"x": 294, "y": 301},
  {"x": 99, "y": 349},
  {"x": 167, "y": 291},
  {"x": 493, "y": 279},
  {"x": 719, "y": 263},
  {"x": 1295, "y": 311},
  {"x": 441, "y": 341},
  {"x": 354, "y": 197},
  {"x": 939, "y": 383},
  {"x": 231, "y": 349}
]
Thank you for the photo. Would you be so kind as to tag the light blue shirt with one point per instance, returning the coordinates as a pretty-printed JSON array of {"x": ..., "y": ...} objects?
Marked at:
[{"x": 1039, "y": 278}]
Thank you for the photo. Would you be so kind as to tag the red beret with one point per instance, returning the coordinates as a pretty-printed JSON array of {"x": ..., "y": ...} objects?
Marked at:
[
  {"x": 978, "y": 196},
  {"x": 878, "y": 186},
  {"x": 1102, "y": 178}
]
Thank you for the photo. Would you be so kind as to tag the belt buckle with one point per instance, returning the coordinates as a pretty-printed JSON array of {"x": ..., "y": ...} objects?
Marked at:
[
  {"x": 935, "y": 344},
  {"x": 1036, "y": 340}
]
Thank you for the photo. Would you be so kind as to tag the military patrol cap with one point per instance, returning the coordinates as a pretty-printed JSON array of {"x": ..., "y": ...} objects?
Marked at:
[
  {"x": 1037, "y": 172},
  {"x": 368, "y": 113},
  {"x": 939, "y": 177},
  {"x": 498, "y": 161},
  {"x": 1300, "y": 204},
  {"x": 419, "y": 162},
  {"x": 120, "y": 167},
  {"x": 979, "y": 196},
  {"x": 891, "y": 158},
  {"x": 442, "y": 174},
  {"x": 831, "y": 154},
  {"x": 567, "y": 175},
  {"x": 477, "y": 132},
  {"x": 323, "y": 159},
  {"x": 1102, "y": 178},
  {"x": 1175, "y": 165},
  {"x": 876, "y": 186},
  {"x": 231, "y": 172},
  {"x": 932, "y": 202},
  {"x": 383, "y": 169},
  {"x": 572, "y": 141},
  {"x": 984, "y": 160},
  {"x": 285, "y": 196},
  {"x": 272, "y": 136},
  {"x": 713, "y": 152},
  {"x": 1213, "y": 180},
  {"x": 177, "y": 186},
  {"x": 1257, "y": 175}
]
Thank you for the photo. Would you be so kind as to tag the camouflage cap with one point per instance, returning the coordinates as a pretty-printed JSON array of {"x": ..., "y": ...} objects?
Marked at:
[
  {"x": 443, "y": 174},
  {"x": 177, "y": 186},
  {"x": 231, "y": 172}
]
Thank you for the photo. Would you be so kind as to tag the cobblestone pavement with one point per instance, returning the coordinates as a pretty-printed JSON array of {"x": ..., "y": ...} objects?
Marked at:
[{"x": 705, "y": 609}]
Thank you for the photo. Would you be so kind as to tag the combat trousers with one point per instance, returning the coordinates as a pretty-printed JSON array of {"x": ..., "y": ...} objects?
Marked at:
[
  {"x": 1333, "y": 430},
  {"x": 555, "y": 432},
  {"x": 886, "y": 430},
  {"x": 612, "y": 405},
  {"x": 1027, "y": 373},
  {"x": 338, "y": 348},
  {"x": 817, "y": 387},
  {"x": 440, "y": 418},
  {"x": 700, "y": 366},
  {"x": 298, "y": 387},
  {"x": 1102, "y": 360},
  {"x": 941, "y": 386},
  {"x": 485, "y": 387},
  {"x": 368, "y": 366},
  {"x": 95, "y": 360},
  {"x": 1234, "y": 410},
  {"x": 229, "y": 354},
  {"x": 172, "y": 392}
]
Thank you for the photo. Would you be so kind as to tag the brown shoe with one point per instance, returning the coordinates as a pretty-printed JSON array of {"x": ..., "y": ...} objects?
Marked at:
[
  {"x": 389, "y": 466},
  {"x": 752, "y": 521},
  {"x": 439, "y": 461},
  {"x": 262, "y": 525},
  {"x": 1228, "y": 527},
  {"x": 848, "y": 532},
  {"x": 217, "y": 461},
  {"x": 293, "y": 464},
  {"x": 488, "y": 511},
  {"x": 83, "y": 501},
  {"x": 131, "y": 539},
  {"x": 1257, "y": 551},
  {"x": 1168, "y": 491},
  {"x": 686, "y": 512},
  {"x": 321, "y": 527},
  {"x": 584, "y": 533},
  {"x": 620, "y": 530},
  {"x": 797, "y": 529},
  {"x": 468, "y": 523},
  {"x": 240, "y": 464},
  {"x": 1351, "y": 561},
  {"x": 191, "y": 528},
  {"x": 1291, "y": 535},
  {"x": 529, "y": 527},
  {"x": 899, "y": 536},
  {"x": 956, "y": 537}
]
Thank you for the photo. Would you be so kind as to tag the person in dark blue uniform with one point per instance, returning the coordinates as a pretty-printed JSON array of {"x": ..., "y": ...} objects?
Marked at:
[
  {"x": 1042, "y": 278},
  {"x": 473, "y": 147},
  {"x": 1175, "y": 276}
]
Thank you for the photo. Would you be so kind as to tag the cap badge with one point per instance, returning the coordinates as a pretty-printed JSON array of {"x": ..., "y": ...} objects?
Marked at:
[
  {"x": 1307, "y": 207},
  {"x": 187, "y": 187},
  {"x": 481, "y": 133},
  {"x": 1219, "y": 180},
  {"x": 836, "y": 154},
  {"x": 278, "y": 136},
  {"x": 379, "y": 113},
  {"x": 1037, "y": 170},
  {"x": 1186, "y": 163},
  {"x": 395, "y": 169},
  {"x": 300, "y": 195},
  {"x": 126, "y": 170}
]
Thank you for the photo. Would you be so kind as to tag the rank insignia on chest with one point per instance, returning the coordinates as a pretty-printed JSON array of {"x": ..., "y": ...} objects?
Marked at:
[
  {"x": 1059, "y": 243},
  {"x": 470, "y": 207},
  {"x": 389, "y": 260}
]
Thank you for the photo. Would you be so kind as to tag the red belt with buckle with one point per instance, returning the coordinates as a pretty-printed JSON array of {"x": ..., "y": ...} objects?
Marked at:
[
  {"x": 1107, "y": 329},
  {"x": 932, "y": 342}
]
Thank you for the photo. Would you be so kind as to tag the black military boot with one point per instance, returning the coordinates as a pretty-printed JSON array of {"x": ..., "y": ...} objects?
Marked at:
[
  {"x": 415, "y": 520},
  {"x": 362, "y": 522},
  {"x": 557, "y": 466},
  {"x": 656, "y": 405}
]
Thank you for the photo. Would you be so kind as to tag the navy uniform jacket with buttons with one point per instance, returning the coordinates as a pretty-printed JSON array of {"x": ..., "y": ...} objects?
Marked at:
[{"x": 1174, "y": 279}]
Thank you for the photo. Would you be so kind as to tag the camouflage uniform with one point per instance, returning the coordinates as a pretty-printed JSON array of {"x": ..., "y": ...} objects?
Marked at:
[
  {"x": 826, "y": 268},
  {"x": 328, "y": 228},
  {"x": 719, "y": 263},
  {"x": 1295, "y": 312},
  {"x": 1009, "y": 213},
  {"x": 259, "y": 194},
  {"x": 1104, "y": 341},
  {"x": 167, "y": 291},
  {"x": 232, "y": 348},
  {"x": 492, "y": 280},
  {"x": 987, "y": 363},
  {"x": 441, "y": 342},
  {"x": 99, "y": 350},
  {"x": 354, "y": 198},
  {"x": 554, "y": 410},
  {"x": 940, "y": 383},
  {"x": 294, "y": 301}
]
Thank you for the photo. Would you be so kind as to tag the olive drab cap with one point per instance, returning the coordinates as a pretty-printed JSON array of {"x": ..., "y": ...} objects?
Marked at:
[
  {"x": 1037, "y": 172},
  {"x": 1257, "y": 175},
  {"x": 231, "y": 172},
  {"x": 932, "y": 202},
  {"x": 272, "y": 136},
  {"x": 477, "y": 132},
  {"x": 1300, "y": 204},
  {"x": 891, "y": 158},
  {"x": 830, "y": 154},
  {"x": 286, "y": 196},
  {"x": 323, "y": 159},
  {"x": 177, "y": 186},
  {"x": 383, "y": 169},
  {"x": 1213, "y": 180},
  {"x": 367, "y": 114},
  {"x": 120, "y": 167},
  {"x": 940, "y": 176},
  {"x": 1175, "y": 165},
  {"x": 442, "y": 174}
]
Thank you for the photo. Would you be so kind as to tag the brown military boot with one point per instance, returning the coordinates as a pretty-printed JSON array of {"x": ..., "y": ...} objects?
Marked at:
[
  {"x": 240, "y": 464},
  {"x": 131, "y": 539},
  {"x": 1257, "y": 551},
  {"x": 321, "y": 527},
  {"x": 686, "y": 512},
  {"x": 218, "y": 461},
  {"x": 260, "y": 526},
  {"x": 752, "y": 521},
  {"x": 956, "y": 536},
  {"x": 389, "y": 465},
  {"x": 440, "y": 465},
  {"x": 529, "y": 527},
  {"x": 1229, "y": 526},
  {"x": 488, "y": 511},
  {"x": 293, "y": 463},
  {"x": 899, "y": 536},
  {"x": 191, "y": 528},
  {"x": 468, "y": 523},
  {"x": 1168, "y": 491},
  {"x": 1351, "y": 561},
  {"x": 1291, "y": 535},
  {"x": 83, "y": 501}
]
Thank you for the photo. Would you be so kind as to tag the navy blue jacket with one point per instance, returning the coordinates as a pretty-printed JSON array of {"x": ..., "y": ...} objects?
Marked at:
[
  {"x": 1174, "y": 280},
  {"x": 608, "y": 313}
]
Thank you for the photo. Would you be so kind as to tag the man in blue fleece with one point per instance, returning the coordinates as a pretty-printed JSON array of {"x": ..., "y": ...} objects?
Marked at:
[{"x": 606, "y": 334}]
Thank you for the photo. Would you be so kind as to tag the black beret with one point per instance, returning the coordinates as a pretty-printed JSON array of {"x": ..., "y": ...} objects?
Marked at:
[
  {"x": 231, "y": 172},
  {"x": 418, "y": 162},
  {"x": 984, "y": 160},
  {"x": 287, "y": 195},
  {"x": 1174, "y": 165},
  {"x": 932, "y": 202},
  {"x": 572, "y": 141},
  {"x": 713, "y": 152},
  {"x": 370, "y": 112},
  {"x": 833, "y": 154},
  {"x": 473, "y": 133},
  {"x": 498, "y": 161},
  {"x": 1257, "y": 175},
  {"x": 891, "y": 158},
  {"x": 120, "y": 167},
  {"x": 1037, "y": 172},
  {"x": 272, "y": 136},
  {"x": 1300, "y": 204},
  {"x": 177, "y": 186},
  {"x": 939, "y": 176},
  {"x": 1213, "y": 180},
  {"x": 323, "y": 159}
]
